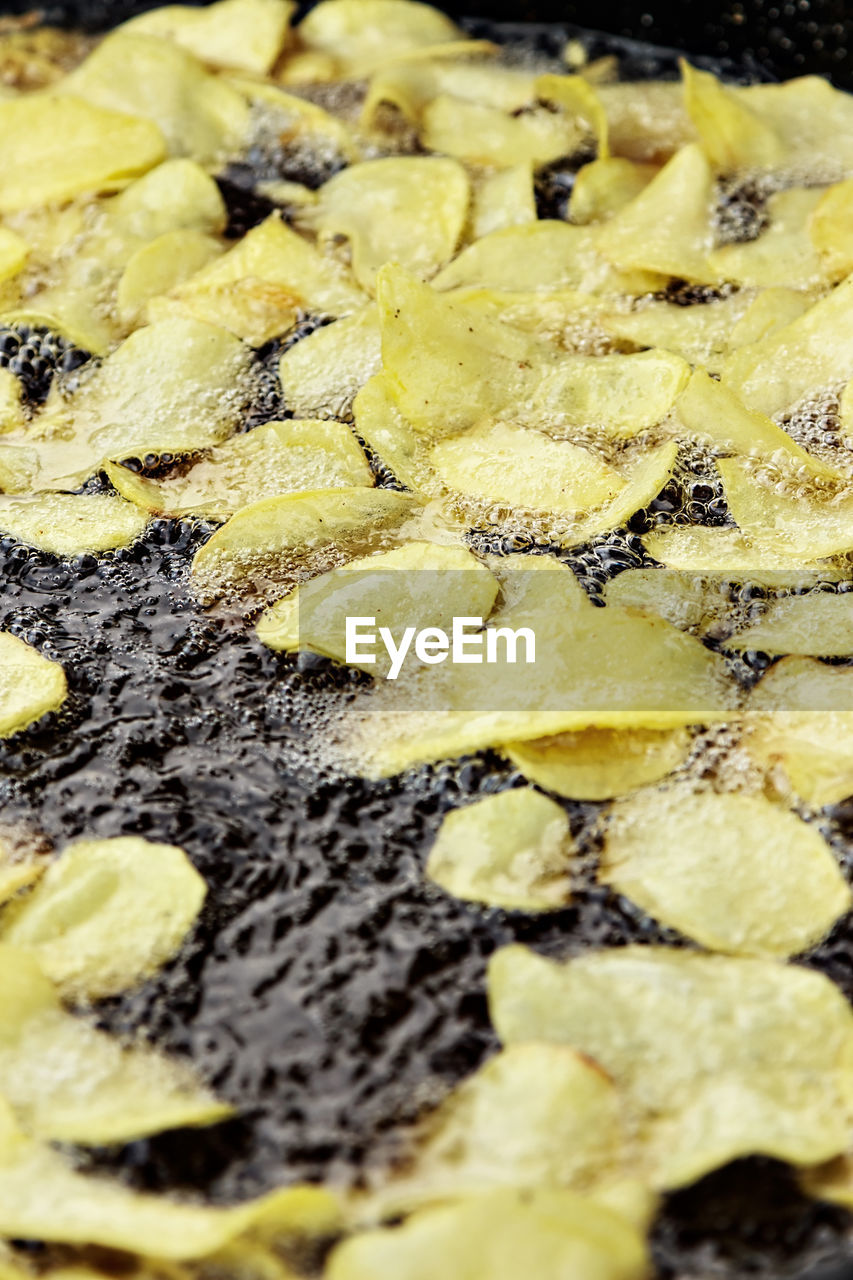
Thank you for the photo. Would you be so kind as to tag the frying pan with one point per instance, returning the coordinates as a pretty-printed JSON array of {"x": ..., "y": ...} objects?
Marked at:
[{"x": 291, "y": 985}]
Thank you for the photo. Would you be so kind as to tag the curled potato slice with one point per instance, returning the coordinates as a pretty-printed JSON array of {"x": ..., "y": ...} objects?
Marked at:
[
  {"x": 536, "y": 1115},
  {"x": 321, "y": 374},
  {"x": 732, "y": 136},
  {"x": 417, "y": 585},
  {"x": 362, "y": 35},
  {"x": 404, "y": 209},
  {"x": 383, "y": 428},
  {"x": 668, "y": 226},
  {"x": 30, "y": 685},
  {"x": 813, "y": 625},
  {"x": 502, "y": 463},
  {"x": 700, "y": 335},
  {"x": 784, "y": 521},
  {"x": 595, "y": 764},
  {"x": 197, "y": 113},
  {"x": 604, "y": 186},
  {"x": 484, "y": 135},
  {"x": 68, "y": 1082},
  {"x": 178, "y": 195},
  {"x": 502, "y": 1234},
  {"x": 510, "y": 850},
  {"x": 717, "y": 1056},
  {"x": 702, "y": 863},
  {"x": 247, "y": 34},
  {"x": 53, "y": 148},
  {"x": 159, "y": 266},
  {"x": 107, "y": 914},
  {"x": 503, "y": 199},
  {"x": 647, "y": 477},
  {"x": 784, "y": 253},
  {"x": 272, "y": 536},
  {"x": 68, "y": 524},
  {"x": 770, "y": 310},
  {"x": 278, "y": 457}
]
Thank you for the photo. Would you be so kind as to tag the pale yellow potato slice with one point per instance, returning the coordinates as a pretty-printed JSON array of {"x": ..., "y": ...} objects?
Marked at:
[
  {"x": 321, "y": 374},
  {"x": 578, "y": 97},
  {"x": 770, "y": 310},
  {"x": 784, "y": 253},
  {"x": 536, "y": 1115},
  {"x": 383, "y": 428},
  {"x": 667, "y": 227},
  {"x": 176, "y": 196},
  {"x": 419, "y": 584},
  {"x": 725, "y": 551},
  {"x": 11, "y": 409},
  {"x": 43, "y": 1197},
  {"x": 159, "y": 266},
  {"x": 503, "y": 199},
  {"x": 501, "y": 463},
  {"x": 511, "y": 850},
  {"x": 503, "y": 1235},
  {"x": 53, "y": 148},
  {"x": 732, "y": 136},
  {"x": 484, "y": 135},
  {"x": 647, "y": 476},
  {"x": 459, "y": 69},
  {"x": 812, "y": 352},
  {"x": 786, "y": 521},
  {"x": 717, "y": 1056},
  {"x": 14, "y": 251},
  {"x": 68, "y": 1082},
  {"x": 248, "y": 34},
  {"x": 362, "y": 34},
  {"x": 69, "y": 524},
  {"x": 605, "y": 186},
  {"x": 814, "y": 625},
  {"x": 830, "y": 229},
  {"x": 156, "y": 81},
  {"x": 646, "y": 121},
  {"x": 733, "y": 872},
  {"x": 595, "y": 764},
  {"x": 405, "y": 209},
  {"x": 107, "y": 914},
  {"x": 30, "y": 685},
  {"x": 700, "y": 334},
  {"x": 813, "y": 121},
  {"x": 278, "y": 457},
  {"x": 686, "y": 599},
  {"x": 297, "y": 120}
]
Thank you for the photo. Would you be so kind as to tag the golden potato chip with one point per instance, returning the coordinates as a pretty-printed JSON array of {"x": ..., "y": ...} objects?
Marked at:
[
  {"x": 732, "y": 136},
  {"x": 415, "y": 586},
  {"x": 604, "y": 186},
  {"x": 812, "y": 625},
  {"x": 718, "y": 1056},
  {"x": 30, "y": 685},
  {"x": 503, "y": 199},
  {"x": 595, "y": 764},
  {"x": 785, "y": 521},
  {"x": 783, "y": 254},
  {"x": 53, "y": 148},
  {"x": 502, "y": 1234},
  {"x": 272, "y": 536},
  {"x": 278, "y": 457},
  {"x": 321, "y": 374},
  {"x": 68, "y": 524},
  {"x": 501, "y": 463},
  {"x": 68, "y": 1082},
  {"x": 535, "y": 1115},
  {"x": 248, "y": 34},
  {"x": 484, "y": 135},
  {"x": 156, "y": 81},
  {"x": 295, "y": 120},
  {"x": 363, "y": 34},
  {"x": 812, "y": 352},
  {"x": 511, "y": 850},
  {"x": 667, "y": 227},
  {"x": 159, "y": 266},
  {"x": 733, "y": 872},
  {"x": 107, "y": 914}
]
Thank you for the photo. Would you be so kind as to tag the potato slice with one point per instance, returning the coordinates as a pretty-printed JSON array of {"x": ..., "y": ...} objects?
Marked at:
[
  {"x": 829, "y": 228},
  {"x": 595, "y": 764},
  {"x": 248, "y": 34},
  {"x": 503, "y": 199},
  {"x": 718, "y": 551},
  {"x": 646, "y": 121},
  {"x": 459, "y": 70},
  {"x": 448, "y": 368},
  {"x": 577, "y": 97},
  {"x": 605, "y": 186},
  {"x": 159, "y": 266},
  {"x": 784, "y": 521},
  {"x": 536, "y": 1115},
  {"x": 647, "y": 477},
  {"x": 321, "y": 374},
  {"x": 68, "y": 1082},
  {"x": 404, "y": 209},
  {"x": 363, "y": 34},
  {"x": 687, "y": 600},
  {"x": 668, "y": 226},
  {"x": 20, "y": 867},
  {"x": 732, "y": 136},
  {"x": 54, "y": 148},
  {"x": 784, "y": 253},
  {"x": 107, "y": 914},
  {"x": 383, "y": 428},
  {"x": 770, "y": 310},
  {"x": 718, "y": 1056},
  {"x": 279, "y": 457},
  {"x": 512, "y": 850},
  {"x": 198, "y": 114},
  {"x": 30, "y": 685},
  {"x": 813, "y": 625},
  {"x": 702, "y": 863},
  {"x": 266, "y": 541},
  {"x": 70, "y": 524},
  {"x": 700, "y": 334},
  {"x": 501, "y": 463},
  {"x": 503, "y": 1234},
  {"x": 484, "y": 135},
  {"x": 416, "y": 585},
  {"x": 43, "y": 1197},
  {"x": 814, "y": 351},
  {"x": 813, "y": 121}
]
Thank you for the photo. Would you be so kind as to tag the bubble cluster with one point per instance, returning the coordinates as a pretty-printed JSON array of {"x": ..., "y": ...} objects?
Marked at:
[{"x": 36, "y": 355}]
